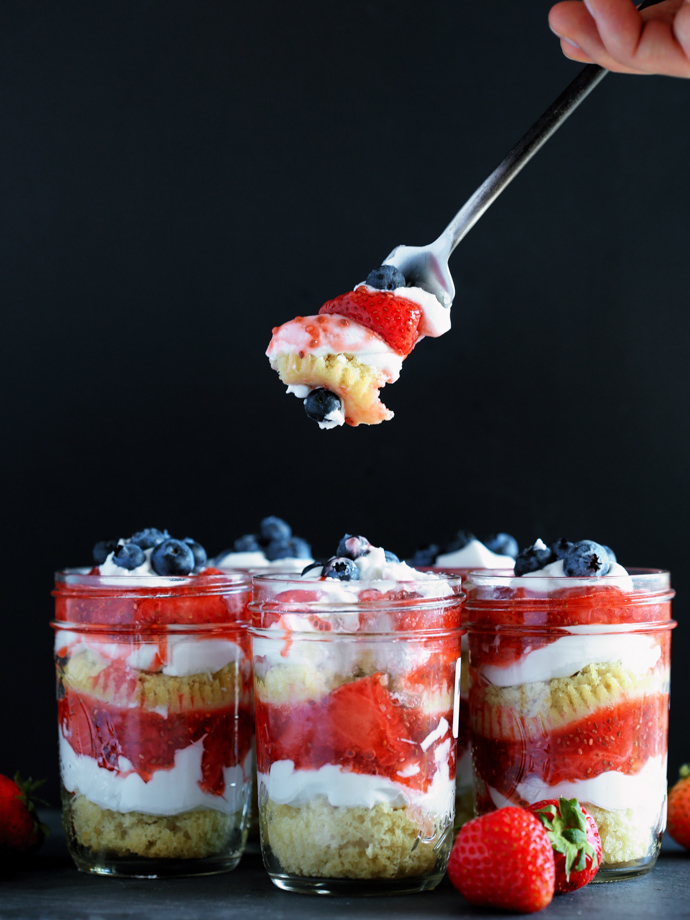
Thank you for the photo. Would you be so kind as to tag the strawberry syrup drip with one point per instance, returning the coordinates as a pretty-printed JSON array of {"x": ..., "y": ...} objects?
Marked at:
[
  {"x": 360, "y": 727},
  {"x": 620, "y": 738},
  {"x": 150, "y": 740}
]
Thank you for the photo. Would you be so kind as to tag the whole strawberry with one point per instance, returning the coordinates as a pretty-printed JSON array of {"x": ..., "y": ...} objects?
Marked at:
[
  {"x": 504, "y": 859},
  {"x": 679, "y": 809},
  {"x": 575, "y": 840},
  {"x": 21, "y": 832}
]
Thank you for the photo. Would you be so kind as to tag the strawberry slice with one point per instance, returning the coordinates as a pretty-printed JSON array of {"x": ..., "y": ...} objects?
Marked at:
[{"x": 396, "y": 319}]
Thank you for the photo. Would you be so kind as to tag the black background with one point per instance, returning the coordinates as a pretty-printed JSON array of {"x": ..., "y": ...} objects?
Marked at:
[{"x": 176, "y": 178}]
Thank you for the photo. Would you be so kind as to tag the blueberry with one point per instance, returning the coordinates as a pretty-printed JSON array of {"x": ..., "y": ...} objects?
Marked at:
[
  {"x": 277, "y": 549},
  {"x": 586, "y": 558},
  {"x": 103, "y": 549},
  {"x": 502, "y": 544},
  {"x": 129, "y": 556},
  {"x": 274, "y": 528},
  {"x": 321, "y": 403},
  {"x": 386, "y": 278},
  {"x": 533, "y": 558},
  {"x": 341, "y": 568},
  {"x": 425, "y": 555},
  {"x": 172, "y": 557},
  {"x": 390, "y": 557},
  {"x": 460, "y": 540},
  {"x": 612, "y": 556},
  {"x": 560, "y": 547},
  {"x": 299, "y": 548},
  {"x": 352, "y": 546},
  {"x": 149, "y": 537},
  {"x": 247, "y": 543},
  {"x": 200, "y": 554}
]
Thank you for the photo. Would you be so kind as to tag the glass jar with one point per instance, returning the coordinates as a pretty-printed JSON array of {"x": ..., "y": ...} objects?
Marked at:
[
  {"x": 464, "y": 779},
  {"x": 569, "y": 693},
  {"x": 155, "y": 721},
  {"x": 356, "y": 700}
]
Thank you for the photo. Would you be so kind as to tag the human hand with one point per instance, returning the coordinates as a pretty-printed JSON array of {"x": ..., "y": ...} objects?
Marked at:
[{"x": 613, "y": 34}]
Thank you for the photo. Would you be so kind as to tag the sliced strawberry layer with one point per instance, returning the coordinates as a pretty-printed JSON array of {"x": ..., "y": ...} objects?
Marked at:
[
  {"x": 149, "y": 740},
  {"x": 620, "y": 738},
  {"x": 358, "y": 726},
  {"x": 146, "y": 607},
  {"x": 598, "y": 604},
  {"x": 396, "y": 319}
]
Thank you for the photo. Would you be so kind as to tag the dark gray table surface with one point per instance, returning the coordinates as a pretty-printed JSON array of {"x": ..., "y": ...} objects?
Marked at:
[{"x": 50, "y": 887}]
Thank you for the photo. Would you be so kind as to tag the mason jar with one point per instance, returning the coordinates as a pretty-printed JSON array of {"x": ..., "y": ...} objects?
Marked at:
[
  {"x": 155, "y": 721},
  {"x": 569, "y": 696},
  {"x": 356, "y": 701}
]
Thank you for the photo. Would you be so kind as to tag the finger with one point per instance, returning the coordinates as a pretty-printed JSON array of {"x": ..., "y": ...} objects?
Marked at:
[
  {"x": 646, "y": 44},
  {"x": 580, "y": 39}
]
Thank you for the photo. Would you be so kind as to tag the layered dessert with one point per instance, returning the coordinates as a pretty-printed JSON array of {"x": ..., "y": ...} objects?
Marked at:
[
  {"x": 338, "y": 360},
  {"x": 154, "y": 709},
  {"x": 273, "y": 547},
  {"x": 461, "y": 554},
  {"x": 355, "y": 666},
  {"x": 569, "y": 691}
]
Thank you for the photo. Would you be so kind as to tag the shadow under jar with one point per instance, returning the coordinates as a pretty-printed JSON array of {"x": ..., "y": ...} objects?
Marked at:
[
  {"x": 155, "y": 721},
  {"x": 356, "y": 696},
  {"x": 569, "y": 695}
]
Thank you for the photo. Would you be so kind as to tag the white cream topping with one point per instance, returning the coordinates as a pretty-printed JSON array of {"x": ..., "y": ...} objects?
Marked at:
[
  {"x": 168, "y": 792},
  {"x": 638, "y": 652},
  {"x": 474, "y": 555},
  {"x": 374, "y": 567},
  {"x": 327, "y": 335},
  {"x": 175, "y": 655},
  {"x": 257, "y": 560},
  {"x": 287, "y": 786},
  {"x": 644, "y": 791}
]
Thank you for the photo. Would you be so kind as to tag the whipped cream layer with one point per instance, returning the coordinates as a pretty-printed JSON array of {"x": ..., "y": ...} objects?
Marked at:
[
  {"x": 168, "y": 792},
  {"x": 173, "y": 655},
  {"x": 287, "y": 786},
  {"x": 643, "y": 791},
  {"x": 474, "y": 555},
  {"x": 330, "y": 333},
  {"x": 257, "y": 560},
  {"x": 593, "y": 644},
  {"x": 375, "y": 571}
]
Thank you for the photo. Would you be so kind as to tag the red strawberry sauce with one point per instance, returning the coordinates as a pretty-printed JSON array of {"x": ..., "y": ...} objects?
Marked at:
[
  {"x": 150, "y": 740},
  {"x": 359, "y": 726}
]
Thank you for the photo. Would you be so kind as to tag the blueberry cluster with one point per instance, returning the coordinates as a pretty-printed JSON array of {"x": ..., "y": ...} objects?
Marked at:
[
  {"x": 342, "y": 566},
  {"x": 500, "y": 543},
  {"x": 168, "y": 555},
  {"x": 274, "y": 539},
  {"x": 579, "y": 559}
]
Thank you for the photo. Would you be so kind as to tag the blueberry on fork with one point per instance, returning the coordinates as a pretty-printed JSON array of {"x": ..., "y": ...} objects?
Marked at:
[{"x": 321, "y": 403}]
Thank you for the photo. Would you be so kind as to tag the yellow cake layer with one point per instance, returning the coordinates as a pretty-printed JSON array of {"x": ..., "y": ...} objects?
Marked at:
[
  {"x": 356, "y": 383},
  {"x": 625, "y": 835},
  {"x": 193, "y": 835},
  {"x": 88, "y": 673},
  {"x": 322, "y": 840},
  {"x": 530, "y": 710}
]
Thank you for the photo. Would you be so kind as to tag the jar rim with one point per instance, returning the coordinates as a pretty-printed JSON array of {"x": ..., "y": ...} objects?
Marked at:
[{"x": 80, "y": 582}]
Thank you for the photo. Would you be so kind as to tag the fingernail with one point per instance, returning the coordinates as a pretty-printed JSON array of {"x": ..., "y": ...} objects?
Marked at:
[{"x": 565, "y": 39}]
